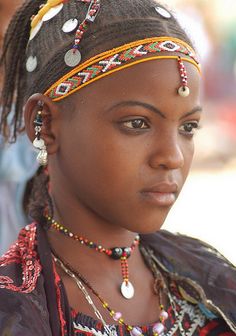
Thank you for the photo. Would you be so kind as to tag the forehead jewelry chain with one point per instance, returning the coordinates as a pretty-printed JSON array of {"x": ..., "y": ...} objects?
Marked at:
[
  {"x": 116, "y": 253},
  {"x": 184, "y": 90},
  {"x": 158, "y": 328},
  {"x": 73, "y": 56}
]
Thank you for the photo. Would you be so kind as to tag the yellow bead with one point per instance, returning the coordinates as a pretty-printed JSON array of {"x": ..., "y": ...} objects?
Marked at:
[
  {"x": 44, "y": 10},
  {"x": 35, "y": 21},
  {"x": 121, "y": 321},
  {"x": 54, "y": 3},
  {"x": 112, "y": 313},
  {"x": 105, "y": 304},
  {"x": 129, "y": 328}
]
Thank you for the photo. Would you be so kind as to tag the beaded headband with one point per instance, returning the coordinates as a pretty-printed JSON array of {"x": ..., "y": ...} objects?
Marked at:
[{"x": 123, "y": 57}]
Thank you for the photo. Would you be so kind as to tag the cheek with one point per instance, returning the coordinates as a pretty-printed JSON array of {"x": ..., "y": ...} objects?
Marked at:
[
  {"x": 98, "y": 160},
  {"x": 188, "y": 153}
]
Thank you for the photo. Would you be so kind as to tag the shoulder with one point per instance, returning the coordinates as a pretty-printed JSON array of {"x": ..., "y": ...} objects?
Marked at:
[
  {"x": 197, "y": 266},
  {"x": 23, "y": 314},
  {"x": 179, "y": 252},
  {"x": 23, "y": 308}
]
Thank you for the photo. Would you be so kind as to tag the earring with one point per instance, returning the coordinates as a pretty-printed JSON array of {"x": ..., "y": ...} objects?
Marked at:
[{"x": 39, "y": 143}]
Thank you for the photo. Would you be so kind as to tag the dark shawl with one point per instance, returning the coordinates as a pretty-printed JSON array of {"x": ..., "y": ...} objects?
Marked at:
[{"x": 36, "y": 304}]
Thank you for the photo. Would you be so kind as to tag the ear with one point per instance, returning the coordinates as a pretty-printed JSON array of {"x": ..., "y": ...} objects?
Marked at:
[{"x": 50, "y": 114}]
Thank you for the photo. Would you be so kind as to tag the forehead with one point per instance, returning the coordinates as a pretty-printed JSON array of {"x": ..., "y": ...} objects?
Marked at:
[{"x": 154, "y": 82}]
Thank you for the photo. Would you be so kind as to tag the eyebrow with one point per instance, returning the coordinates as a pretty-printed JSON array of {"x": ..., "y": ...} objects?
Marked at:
[{"x": 152, "y": 108}]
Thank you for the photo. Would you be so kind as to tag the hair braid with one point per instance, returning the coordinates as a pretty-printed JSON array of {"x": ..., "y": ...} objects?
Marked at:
[
  {"x": 40, "y": 200},
  {"x": 13, "y": 59}
]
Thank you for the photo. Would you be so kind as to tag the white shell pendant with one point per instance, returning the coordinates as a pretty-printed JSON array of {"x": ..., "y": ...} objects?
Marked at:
[
  {"x": 42, "y": 157},
  {"x": 31, "y": 63},
  {"x": 184, "y": 91},
  {"x": 52, "y": 12},
  {"x": 35, "y": 30},
  {"x": 163, "y": 12},
  {"x": 39, "y": 143},
  {"x": 72, "y": 57},
  {"x": 70, "y": 25},
  {"x": 127, "y": 290}
]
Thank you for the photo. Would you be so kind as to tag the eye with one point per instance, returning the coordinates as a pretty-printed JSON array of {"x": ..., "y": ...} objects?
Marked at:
[
  {"x": 189, "y": 128},
  {"x": 136, "y": 124}
]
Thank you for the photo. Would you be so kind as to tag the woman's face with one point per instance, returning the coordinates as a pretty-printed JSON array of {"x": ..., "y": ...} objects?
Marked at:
[{"x": 126, "y": 149}]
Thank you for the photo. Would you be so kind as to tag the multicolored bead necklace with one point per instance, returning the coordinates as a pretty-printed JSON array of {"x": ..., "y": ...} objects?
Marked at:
[
  {"x": 158, "y": 328},
  {"x": 116, "y": 253}
]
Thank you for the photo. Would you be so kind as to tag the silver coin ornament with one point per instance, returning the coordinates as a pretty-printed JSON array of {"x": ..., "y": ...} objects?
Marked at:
[
  {"x": 35, "y": 30},
  {"x": 184, "y": 91},
  {"x": 70, "y": 25},
  {"x": 163, "y": 12},
  {"x": 72, "y": 57},
  {"x": 31, "y": 63},
  {"x": 127, "y": 290},
  {"x": 52, "y": 12}
]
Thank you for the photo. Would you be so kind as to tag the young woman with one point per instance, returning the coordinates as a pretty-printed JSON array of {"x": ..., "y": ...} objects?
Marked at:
[{"x": 110, "y": 91}]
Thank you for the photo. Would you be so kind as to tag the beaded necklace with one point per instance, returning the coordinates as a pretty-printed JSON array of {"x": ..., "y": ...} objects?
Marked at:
[
  {"x": 158, "y": 328},
  {"x": 116, "y": 253}
]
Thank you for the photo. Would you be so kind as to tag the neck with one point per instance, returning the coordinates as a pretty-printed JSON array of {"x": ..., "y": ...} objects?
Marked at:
[{"x": 82, "y": 222}]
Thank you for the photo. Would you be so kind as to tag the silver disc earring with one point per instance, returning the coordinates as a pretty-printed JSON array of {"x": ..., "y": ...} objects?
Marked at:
[{"x": 39, "y": 143}]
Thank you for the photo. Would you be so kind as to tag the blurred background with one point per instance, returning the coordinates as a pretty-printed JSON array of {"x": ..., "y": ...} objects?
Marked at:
[{"x": 206, "y": 208}]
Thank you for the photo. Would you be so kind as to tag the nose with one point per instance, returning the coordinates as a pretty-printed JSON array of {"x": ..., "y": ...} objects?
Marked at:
[{"x": 168, "y": 153}]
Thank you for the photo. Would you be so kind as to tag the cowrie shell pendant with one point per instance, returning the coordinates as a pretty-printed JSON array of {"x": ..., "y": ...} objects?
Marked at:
[
  {"x": 127, "y": 290},
  {"x": 163, "y": 12},
  {"x": 31, "y": 63}
]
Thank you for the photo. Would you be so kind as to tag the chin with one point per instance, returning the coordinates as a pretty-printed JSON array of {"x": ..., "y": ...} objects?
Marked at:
[{"x": 149, "y": 224}]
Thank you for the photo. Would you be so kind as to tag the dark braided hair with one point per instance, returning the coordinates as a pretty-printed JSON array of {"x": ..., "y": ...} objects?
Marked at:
[{"x": 118, "y": 22}]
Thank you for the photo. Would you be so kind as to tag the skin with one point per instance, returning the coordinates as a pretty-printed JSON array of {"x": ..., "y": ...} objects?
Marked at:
[{"x": 100, "y": 164}]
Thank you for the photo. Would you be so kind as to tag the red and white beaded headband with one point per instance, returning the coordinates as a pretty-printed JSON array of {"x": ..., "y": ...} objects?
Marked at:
[{"x": 123, "y": 57}]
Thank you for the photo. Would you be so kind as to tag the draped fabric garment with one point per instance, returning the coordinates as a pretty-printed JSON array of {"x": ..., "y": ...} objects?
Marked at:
[{"x": 33, "y": 300}]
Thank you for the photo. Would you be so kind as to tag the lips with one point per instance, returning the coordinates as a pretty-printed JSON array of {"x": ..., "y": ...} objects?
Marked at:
[{"x": 163, "y": 194}]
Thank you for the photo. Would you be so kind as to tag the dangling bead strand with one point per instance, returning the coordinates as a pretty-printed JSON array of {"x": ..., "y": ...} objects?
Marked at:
[
  {"x": 158, "y": 328},
  {"x": 116, "y": 253},
  {"x": 183, "y": 91}
]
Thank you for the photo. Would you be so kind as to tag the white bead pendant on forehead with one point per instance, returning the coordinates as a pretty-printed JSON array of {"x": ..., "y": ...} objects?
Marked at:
[
  {"x": 35, "y": 30},
  {"x": 72, "y": 57},
  {"x": 31, "y": 63},
  {"x": 52, "y": 12},
  {"x": 184, "y": 91},
  {"x": 163, "y": 12},
  {"x": 70, "y": 25}
]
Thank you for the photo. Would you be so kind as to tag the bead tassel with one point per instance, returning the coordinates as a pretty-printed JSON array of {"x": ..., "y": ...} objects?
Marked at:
[
  {"x": 183, "y": 90},
  {"x": 116, "y": 253}
]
